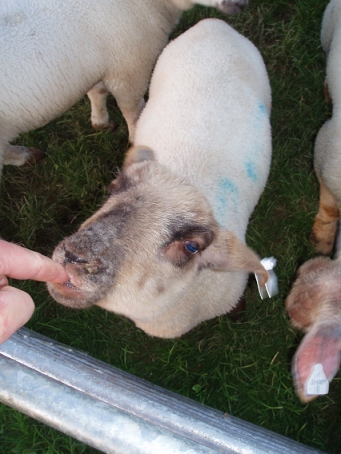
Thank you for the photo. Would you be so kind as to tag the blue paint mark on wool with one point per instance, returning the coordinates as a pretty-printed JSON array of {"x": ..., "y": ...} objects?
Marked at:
[
  {"x": 258, "y": 123},
  {"x": 251, "y": 171},
  {"x": 226, "y": 199},
  {"x": 263, "y": 109},
  {"x": 226, "y": 187},
  {"x": 259, "y": 116}
]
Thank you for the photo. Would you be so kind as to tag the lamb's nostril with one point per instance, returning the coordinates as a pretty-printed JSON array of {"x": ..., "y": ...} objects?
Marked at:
[{"x": 72, "y": 258}]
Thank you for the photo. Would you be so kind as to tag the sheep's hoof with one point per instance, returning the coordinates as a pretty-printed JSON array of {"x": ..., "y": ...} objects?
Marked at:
[
  {"x": 111, "y": 126},
  {"x": 35, "y": 155},
  {"x": 231, "y": 7},
  {"x": 238, "y": 311}
]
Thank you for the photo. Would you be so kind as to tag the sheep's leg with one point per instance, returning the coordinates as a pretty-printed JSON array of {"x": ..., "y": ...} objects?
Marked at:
[
  {"x": 131, "y": 111},
  {"x": 325, "y": 224},
  {"x": 99, "y": 114},
  {"x": 16, "y": 155}
]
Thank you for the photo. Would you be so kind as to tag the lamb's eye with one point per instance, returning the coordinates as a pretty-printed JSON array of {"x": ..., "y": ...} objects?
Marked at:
[{"x": 190, "y": 246}]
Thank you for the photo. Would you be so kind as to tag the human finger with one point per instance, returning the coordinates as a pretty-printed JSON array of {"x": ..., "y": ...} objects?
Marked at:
[
  {"x": 16, "y": 308},
  {"x": 21, "y": 263}
]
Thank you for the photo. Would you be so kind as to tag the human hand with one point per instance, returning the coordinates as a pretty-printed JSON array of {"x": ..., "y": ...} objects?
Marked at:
[{"x": 16, "y": 306}]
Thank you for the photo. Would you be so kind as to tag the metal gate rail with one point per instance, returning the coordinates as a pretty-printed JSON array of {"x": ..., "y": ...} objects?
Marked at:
[{"x": 116, "y": 412}]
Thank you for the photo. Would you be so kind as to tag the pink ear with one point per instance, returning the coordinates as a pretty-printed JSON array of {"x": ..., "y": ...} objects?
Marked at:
[
  {"x": 228, "y": 253},
  {"x": 321, "y": 345}
]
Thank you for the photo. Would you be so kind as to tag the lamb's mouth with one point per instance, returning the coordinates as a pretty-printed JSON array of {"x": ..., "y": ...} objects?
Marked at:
[
  {"x": 70, "y": 295},
  {"x": 70, "y": 285},
  {"x": 78, "y": 291},
  {"x": 86, "y": 274},
  {"x": 67, "y": 288}
]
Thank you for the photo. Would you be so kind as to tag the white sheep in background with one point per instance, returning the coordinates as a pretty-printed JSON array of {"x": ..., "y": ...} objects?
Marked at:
[
  {"x": 327, "y": 154},
  {"x": 167, "y": 248},
  {"x": 314, "y": 302},
  {"x": 54, "y": 52}
]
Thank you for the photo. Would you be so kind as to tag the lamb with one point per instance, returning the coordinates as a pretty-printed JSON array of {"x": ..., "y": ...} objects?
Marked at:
[
  {"x": 53, "y": 53},
  {"x": 327, "y": 154},
  {"x": 314, "y": 306},
  {"x": 167, "y": 249},
  {"x": 314, "y": 302}
]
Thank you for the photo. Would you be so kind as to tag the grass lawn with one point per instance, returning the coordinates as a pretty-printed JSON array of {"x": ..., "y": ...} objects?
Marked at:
[{"x": 239, "y": 367}]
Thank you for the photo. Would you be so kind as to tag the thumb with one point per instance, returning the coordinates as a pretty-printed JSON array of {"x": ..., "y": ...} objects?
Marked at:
[{"x": 16, "y": 308}]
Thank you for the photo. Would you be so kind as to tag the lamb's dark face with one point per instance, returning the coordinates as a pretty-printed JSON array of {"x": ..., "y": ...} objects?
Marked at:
[
  {"x": 92, "y": 258},
  {"x": 143, "y": 244}
]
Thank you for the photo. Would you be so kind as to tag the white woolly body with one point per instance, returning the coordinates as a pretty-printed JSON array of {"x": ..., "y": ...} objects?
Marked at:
[
  {"x": 313, "y": 303},
  {"x": 327, "y": 153},
  {"x": 54, "y": 52},
  {"x": 207, "y": 123},
  {"x": 207, "y": 118}
]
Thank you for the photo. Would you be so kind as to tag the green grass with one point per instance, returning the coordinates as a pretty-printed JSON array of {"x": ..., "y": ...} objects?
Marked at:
[{"x": 240, "y": 367}]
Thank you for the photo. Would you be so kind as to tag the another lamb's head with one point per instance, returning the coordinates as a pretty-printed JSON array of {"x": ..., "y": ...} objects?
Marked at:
[
  {"x": 314, "y": 306},
  {"x": 146, "y": 244}
]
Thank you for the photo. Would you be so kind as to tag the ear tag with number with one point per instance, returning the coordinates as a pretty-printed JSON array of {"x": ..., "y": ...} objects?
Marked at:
[
  {"x": 317, "y": 383},
  {"x": 270, "y": 288}
]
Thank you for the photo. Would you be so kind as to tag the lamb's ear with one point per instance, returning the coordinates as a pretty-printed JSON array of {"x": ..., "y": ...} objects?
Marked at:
[
  {"x": 138, "y": 154},
  {"x": 316, "y": 361},
  {"x": 227, "y": 253}
]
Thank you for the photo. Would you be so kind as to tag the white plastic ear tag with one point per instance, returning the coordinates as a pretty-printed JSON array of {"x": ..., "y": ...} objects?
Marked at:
[
  {"x": 317, "y": 383},
  {"x": 271, "y": 286}
]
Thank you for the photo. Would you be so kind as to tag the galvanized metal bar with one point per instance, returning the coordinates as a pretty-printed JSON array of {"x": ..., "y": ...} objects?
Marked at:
[
  {"x": 85, "y": 418},
  {"x": 116, "y": 412}
]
